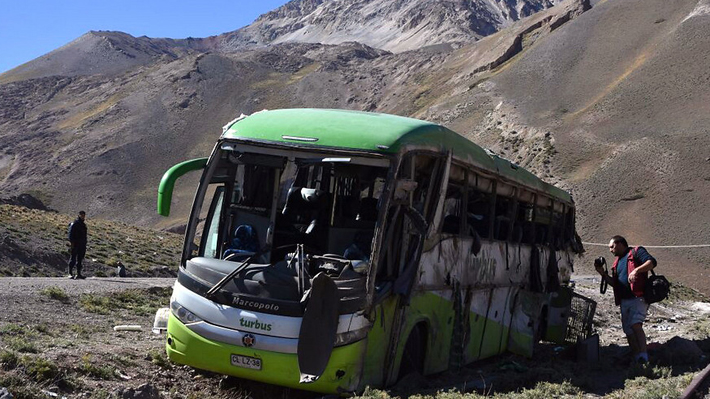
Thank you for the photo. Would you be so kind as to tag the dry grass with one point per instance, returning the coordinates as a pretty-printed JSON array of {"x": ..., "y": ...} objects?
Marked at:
[
  {"x": 41, "y": 236},
  {"x": 137, "y": 302}
]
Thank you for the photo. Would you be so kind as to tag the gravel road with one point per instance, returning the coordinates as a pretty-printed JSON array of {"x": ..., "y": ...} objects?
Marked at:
[{"x": 12, "y": 288}]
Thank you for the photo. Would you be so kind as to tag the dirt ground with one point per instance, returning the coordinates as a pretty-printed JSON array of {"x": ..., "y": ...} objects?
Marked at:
[{"x": 91, "y": 360}]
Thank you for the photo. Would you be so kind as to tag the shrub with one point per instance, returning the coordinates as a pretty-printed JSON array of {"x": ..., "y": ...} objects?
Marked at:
[
  {"x": 138, "y": 302},
  {"x": 96, "y": 304},
  {"x": 40, "y": 369},
  {"x": 158, "y": 358},
  {"x": 95, "y": 371},
  {"x": 12, "y": 329},
  {"x": 21, "y": 344},
  {"x": 8, "y": 360},
  {"x": 56, "y": 293}
]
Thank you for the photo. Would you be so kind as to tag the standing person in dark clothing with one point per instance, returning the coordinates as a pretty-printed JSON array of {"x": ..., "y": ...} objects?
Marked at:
[
  {"x": 629, "y": 275},
  {"x": 77, "y": 239}
]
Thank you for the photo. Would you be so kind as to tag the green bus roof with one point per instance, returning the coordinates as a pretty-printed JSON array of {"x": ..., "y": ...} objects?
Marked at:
[{"x": 375, "y": 133}]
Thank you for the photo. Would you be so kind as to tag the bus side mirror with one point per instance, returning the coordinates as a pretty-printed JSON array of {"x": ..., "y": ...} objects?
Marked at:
[{"x": 167, "y": 183}]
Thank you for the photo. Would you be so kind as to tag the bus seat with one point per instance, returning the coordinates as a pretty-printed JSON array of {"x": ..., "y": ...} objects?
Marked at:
[
  {"x": 293, "y": 201},
  {"x": 244, "y": 241},
  {"x": 304, "y": 206},
  {"x": 360, "y": 248}
]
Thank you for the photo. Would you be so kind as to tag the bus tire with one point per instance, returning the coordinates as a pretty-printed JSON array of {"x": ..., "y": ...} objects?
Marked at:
[{"x": 413, "y": 355}]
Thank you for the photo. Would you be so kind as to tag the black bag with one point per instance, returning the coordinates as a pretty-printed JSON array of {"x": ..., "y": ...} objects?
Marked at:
[{"x": 657, "y": 288}]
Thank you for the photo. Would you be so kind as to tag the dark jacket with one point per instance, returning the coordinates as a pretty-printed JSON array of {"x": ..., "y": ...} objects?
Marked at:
[{"x": 77, "y": 232}]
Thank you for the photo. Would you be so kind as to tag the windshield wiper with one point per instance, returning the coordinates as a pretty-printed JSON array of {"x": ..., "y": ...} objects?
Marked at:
[{"x": 221, "y": 283}]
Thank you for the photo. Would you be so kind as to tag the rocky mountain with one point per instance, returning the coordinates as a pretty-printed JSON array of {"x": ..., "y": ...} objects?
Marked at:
[
  {"x": 393, "y": 25},
  {"x": 611, "y": 102}
]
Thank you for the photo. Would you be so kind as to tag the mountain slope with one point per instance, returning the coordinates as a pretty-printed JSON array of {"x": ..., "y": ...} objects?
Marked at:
[
  {"x": 393, "y": 25},
  {"x": 623, "y": 93},
  {"x": 105, "y": 53},
  {"x": 611, "y": 103}
]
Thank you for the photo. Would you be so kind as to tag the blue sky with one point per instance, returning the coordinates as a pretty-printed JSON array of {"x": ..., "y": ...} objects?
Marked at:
[{"x": 31, "y": 28}]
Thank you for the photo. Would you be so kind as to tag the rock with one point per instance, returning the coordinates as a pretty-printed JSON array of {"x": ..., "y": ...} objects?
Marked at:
[
  {"x": 401, "y": 25},
  {"x": 679, "y": 351},
  {"x": 27, "y": 201},
  {"x": 701, "y": 307},
  {"x": 145, "y": 391},
  {"x": 5, "y": 394}
]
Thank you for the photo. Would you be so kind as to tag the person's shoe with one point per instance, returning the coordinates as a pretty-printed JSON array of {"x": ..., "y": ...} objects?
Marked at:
[
  {"x": 80, "y": 277},
  {"x": 70, "y": 277}
]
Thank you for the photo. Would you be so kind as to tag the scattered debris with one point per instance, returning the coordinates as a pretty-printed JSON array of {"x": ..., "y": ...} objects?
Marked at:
[
  {"x": 122, "y": 376},
  {"x": 4, "y": 394},
  {"x": 160, "y": 323},
  {"x": 127, "y": 327},
  {"x": 51, "y": 394}
]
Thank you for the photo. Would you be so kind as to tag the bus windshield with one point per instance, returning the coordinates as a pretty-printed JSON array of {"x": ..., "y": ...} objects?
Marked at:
[{"x": 261, "y": 207}]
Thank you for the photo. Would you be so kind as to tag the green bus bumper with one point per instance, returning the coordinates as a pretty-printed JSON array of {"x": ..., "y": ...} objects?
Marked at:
[{"x": 342, "y": 374}]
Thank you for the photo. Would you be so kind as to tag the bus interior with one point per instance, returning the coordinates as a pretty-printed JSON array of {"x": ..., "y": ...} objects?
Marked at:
[{"x": 270, "y": 222}]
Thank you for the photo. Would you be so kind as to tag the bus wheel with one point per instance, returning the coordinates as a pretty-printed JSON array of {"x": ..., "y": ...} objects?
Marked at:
[{"x": 413, "y": 356}]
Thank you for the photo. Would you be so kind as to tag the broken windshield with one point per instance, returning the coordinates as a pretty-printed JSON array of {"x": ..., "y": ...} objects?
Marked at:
[{"x": 268, "y": 203}]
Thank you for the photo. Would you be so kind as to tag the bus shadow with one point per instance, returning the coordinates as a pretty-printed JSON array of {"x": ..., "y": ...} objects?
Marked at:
[{"x": 552, "y": 364}]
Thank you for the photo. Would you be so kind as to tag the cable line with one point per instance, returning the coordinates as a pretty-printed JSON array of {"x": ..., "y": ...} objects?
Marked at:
[{"x": 653, "y": 246}]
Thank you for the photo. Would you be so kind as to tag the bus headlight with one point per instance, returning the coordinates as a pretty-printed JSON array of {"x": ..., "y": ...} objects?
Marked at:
[
  {"x": 350, "y": 336},
  {"x": 182, "y": 313}
]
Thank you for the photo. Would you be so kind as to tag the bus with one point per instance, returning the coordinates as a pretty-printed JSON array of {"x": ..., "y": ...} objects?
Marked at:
[{"x": 330, "y": 250}]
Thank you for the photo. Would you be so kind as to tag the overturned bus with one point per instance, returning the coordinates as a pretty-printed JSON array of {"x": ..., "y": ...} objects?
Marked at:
[{"x": 331, "y": 250}]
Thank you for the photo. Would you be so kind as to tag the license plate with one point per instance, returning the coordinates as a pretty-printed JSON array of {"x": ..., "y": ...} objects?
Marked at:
[{"x": 246, "y": 362}]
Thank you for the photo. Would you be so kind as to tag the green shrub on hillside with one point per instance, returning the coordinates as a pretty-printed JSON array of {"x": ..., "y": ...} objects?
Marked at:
[{"x": 55, "y": 293}]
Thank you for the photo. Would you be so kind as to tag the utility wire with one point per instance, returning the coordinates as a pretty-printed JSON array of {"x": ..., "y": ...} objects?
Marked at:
[{"x": 653, "y": 246}]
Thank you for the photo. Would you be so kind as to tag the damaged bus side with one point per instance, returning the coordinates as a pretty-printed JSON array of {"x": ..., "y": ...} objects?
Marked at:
[{"x": 330, "y": 250}]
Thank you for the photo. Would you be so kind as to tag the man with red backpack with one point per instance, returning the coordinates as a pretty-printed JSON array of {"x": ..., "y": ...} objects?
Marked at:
[{"x": 629, "y": 276}]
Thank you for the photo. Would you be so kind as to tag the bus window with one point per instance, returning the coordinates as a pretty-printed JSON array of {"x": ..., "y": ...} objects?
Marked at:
[
  {"x": 253, "y": 189},
  {"x": 478, "y": 212},
  {"x": 206, "y": 239},
  {"x": 357, "y": 191},
  {"x": 402, "y": 236},
  {"x": 479, "y": 205},
  {"x": 426, "y": 170},
  {"x": 505, "y": 208},
  {"x": 453, "y": 206},
  {"x": 542, "y": 223},
  {"x": 211, "y": 236},
  {"x": 558, "y": 234},
  {"x": 453, "y": 222},
  {"x": 524, "y": 228}
]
